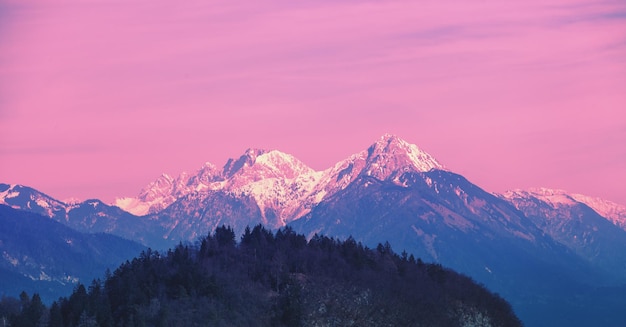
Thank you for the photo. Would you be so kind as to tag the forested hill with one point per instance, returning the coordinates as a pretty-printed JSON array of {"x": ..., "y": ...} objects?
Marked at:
[{"x": 280, "y": 279}]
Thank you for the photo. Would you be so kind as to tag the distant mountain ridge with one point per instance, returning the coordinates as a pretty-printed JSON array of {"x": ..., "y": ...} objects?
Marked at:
[
  {"x": 89, "y": 216},
  {"x": 41, "y": 255},
  {"x": 610, "y": 210},
  {"x": 571, "y": 221}
]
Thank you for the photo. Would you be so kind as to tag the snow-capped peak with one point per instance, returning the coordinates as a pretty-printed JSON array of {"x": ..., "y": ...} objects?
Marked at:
[
  {"x": 156, "y": 196},
  {"x": 162, "y": 185},
  {"x": 246, "y": 160},
  {"x": 394, "y": 151},
  {"x": 283, "y": 164},
  {"x": 273, "y": 163},
  {"x": 256, "y": 165}
]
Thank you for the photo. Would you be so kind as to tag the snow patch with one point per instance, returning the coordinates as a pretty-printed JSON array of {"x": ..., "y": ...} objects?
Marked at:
[
  {"x": 44, "y": 276},
  {"x": 288, "y": 198},
  {"x": 73, "y": 201},
  {"x": 71, "y": 279},
  {"x": 451, "y": 218},
  {"x": 523, "y": 235},
  {"x": 428, "y": 240},
  {"x": 552, "y": 197},
  {"x": 42, "y": 203},
  {"x": 12, "y": 194},
  {"x": 133, "y": 205},
  {"x": 13, "y": 261}
]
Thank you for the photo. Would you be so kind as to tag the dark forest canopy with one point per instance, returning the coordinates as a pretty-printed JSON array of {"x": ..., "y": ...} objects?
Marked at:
[{"x": 270, "y": 279}]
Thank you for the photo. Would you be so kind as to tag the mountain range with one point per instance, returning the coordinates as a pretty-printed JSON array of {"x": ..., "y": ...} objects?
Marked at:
[{"x": 552, "y": 254}]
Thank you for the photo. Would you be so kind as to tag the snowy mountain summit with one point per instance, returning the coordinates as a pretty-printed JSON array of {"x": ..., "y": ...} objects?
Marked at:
[
  {"x": 391, "y": 154},
  {"x": 281, "y": 182},
  {"x": 558, "y": 199}
]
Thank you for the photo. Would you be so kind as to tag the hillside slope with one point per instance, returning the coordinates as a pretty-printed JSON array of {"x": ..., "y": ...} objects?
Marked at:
[
  {"x": 44, "y": 256},
  {"x": 282, "y": 280}
]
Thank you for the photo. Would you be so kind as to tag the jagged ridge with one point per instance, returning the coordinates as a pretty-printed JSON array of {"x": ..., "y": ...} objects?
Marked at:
[{"x": 281, "y": 183}]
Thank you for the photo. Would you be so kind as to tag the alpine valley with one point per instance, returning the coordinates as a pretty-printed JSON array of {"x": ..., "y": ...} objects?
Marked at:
[{"x": 558, "y": 258}]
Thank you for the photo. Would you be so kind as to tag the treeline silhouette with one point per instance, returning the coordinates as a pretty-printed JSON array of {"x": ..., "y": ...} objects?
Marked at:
[{"x": 270, "y": 279}]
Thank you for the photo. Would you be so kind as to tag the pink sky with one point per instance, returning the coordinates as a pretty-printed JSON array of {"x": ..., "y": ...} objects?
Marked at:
[{"x": 98, "y": 98}]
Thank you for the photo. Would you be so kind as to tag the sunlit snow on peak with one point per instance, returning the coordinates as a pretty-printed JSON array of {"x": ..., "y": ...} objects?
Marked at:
[
  {"x": 275, "y": 177},
  {"x": 555, "y": 198},
  {"x": 395, "y": 152}
]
